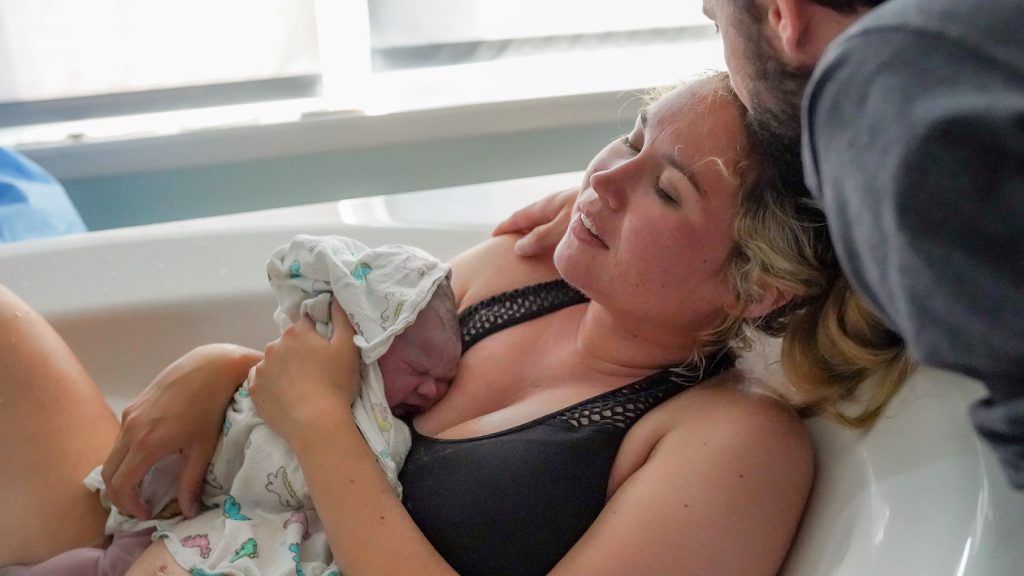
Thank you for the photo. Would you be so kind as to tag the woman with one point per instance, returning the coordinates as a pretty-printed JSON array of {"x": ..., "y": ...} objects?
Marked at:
[{"x": 682, "y": 237}]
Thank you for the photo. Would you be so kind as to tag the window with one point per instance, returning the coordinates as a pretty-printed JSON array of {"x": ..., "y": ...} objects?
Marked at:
[
  {"x": 67, "y": 59},
  {"x": 249, "y": 60},
  {"x": 487, "y": 50},
  {"x": 416, "y": 33}
]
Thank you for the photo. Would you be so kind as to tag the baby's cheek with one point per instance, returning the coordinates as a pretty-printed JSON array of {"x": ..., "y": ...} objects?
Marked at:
[{"x": 398, "y": 386}]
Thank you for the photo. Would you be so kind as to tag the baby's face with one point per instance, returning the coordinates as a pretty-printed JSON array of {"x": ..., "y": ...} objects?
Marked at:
[{"x": 419, "y": 366}]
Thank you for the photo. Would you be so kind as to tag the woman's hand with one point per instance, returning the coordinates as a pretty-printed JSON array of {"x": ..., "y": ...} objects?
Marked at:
[
  {"x": 543, "y": 223},
  {"x": 304, "y": 389},
  {"x": 180, "y": 412},
  {"x": 304, "y": 379}
]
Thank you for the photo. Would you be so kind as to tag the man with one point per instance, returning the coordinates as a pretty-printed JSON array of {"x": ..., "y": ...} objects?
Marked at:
[{"x": 913, "y": 143}]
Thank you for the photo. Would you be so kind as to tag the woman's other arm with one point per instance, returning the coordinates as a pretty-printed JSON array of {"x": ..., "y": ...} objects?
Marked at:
[
  {"x": 715, "y": 484},
  {"x": 180, "y": 412}
]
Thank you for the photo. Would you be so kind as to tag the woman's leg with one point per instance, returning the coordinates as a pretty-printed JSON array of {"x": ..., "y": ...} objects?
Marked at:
[{"x": 55, "y": 426}]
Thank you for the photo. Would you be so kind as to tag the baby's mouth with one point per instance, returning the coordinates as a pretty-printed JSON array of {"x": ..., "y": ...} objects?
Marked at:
[{"x": 404, "y": 410}]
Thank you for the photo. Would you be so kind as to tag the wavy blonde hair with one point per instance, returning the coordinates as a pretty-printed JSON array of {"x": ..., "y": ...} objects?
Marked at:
[{"x": 833, "y": 343}]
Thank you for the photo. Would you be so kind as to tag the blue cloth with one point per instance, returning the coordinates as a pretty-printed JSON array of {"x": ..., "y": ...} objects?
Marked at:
[
  {"x": 914, "y": 144},
  {"x": 32, "y": 203}
]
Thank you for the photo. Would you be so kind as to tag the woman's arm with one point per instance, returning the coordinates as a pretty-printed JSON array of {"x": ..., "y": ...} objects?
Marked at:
[
  {"x": 719, "y": 488},
  {"x": 304, "y": 389},
  {"x": 180, "y": 412},
  {"x": 369, "y": 530}
]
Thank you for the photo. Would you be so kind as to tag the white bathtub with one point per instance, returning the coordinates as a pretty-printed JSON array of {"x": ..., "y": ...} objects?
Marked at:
[{"x": 917, "y": 495}]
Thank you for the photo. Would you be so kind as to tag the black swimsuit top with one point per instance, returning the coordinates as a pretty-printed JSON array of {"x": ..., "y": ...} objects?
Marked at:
[{"x": 514, "y": 502}]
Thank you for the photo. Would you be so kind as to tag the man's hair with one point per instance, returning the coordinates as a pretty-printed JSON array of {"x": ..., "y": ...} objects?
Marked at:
[
  {"x": 844, "y": 6},
  {"x": 848, "y": 6}
]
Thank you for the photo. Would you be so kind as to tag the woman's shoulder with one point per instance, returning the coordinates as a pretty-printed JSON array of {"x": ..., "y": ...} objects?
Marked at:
[
  {"x": 493, "y": 267},
  {"x": 719, "y": 480},
  {"x": 750, "y": 417},
  {"x": 729, "y": 421}
]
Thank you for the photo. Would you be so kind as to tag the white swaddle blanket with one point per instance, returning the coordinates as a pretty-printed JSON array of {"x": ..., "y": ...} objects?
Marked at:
[
  {"x": 262, "y": 517},
  {"x": 382, "y": 290}
]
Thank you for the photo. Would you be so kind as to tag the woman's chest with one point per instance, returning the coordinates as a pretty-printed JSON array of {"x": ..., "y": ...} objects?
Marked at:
[
  {"x": 510, "y": 503},
  {"x": 512, "y": 377}
]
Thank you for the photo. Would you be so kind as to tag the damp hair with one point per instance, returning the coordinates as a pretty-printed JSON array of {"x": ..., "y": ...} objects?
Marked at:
[
  {"x": 443, "y": 307},
  {"x": 836, "y": 351}
]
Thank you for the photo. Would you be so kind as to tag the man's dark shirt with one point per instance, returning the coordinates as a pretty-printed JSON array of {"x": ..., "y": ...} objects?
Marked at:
[{"x": 914, "y": 144}]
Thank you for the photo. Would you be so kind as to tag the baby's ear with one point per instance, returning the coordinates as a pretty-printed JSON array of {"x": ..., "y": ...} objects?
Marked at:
[{"x": 772, "y": 297}]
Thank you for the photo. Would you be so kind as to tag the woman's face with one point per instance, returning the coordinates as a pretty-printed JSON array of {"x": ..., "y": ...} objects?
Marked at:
[{"x": 653, "y": 224}]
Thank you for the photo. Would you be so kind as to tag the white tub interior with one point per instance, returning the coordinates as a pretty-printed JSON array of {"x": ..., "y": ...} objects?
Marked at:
[{"x": 918, "y": 494}]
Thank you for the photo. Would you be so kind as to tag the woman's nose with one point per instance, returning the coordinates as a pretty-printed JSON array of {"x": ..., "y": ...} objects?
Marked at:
[{"x": 612, "y": 183}]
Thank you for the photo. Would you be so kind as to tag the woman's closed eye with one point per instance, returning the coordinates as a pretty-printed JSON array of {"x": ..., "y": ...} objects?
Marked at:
[
  {"x": 624, "y": 139},
  {"x": 664, "y": 196},
  {"x": 659, "y": 191}
]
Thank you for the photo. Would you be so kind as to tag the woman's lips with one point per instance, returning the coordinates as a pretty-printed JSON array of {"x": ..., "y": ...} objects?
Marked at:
[{"x": 582, "y": 228}]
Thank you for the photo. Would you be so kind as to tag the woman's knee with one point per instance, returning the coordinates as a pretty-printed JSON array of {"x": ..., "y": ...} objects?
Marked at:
[
  {"x": 11, "y": 305},
  {"x": 20, "y": 323},
  {"x": 56, "y": 426}
]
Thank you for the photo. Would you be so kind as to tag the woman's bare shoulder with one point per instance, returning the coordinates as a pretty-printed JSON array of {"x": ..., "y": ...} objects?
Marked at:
[
  {"x": 734, "y": 414},
  {"x": 492, "y": 267},
  {"x": 732, "y": 408},
  {"x": 719, "y": 484}
]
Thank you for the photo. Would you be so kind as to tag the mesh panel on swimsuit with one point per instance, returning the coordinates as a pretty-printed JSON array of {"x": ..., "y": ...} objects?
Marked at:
[
  {"x": 621, "y": 407},
  {"x": 514, "y": 307}
]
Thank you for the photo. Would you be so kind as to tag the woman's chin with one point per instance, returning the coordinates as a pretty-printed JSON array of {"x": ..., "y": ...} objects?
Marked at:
[
  {"x": 571, "y": 266},
  {"x": 563, "y": 257}
]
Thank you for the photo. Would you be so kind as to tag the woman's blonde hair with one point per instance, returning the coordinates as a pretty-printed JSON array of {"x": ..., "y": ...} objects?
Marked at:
[{"x": 832, "y": 341}]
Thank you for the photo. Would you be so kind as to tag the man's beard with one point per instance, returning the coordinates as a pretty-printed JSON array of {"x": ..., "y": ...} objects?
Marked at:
[{"x": 776, "y": 90}]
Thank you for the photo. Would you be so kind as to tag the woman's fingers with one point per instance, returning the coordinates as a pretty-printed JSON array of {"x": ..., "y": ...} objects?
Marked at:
[
  {"x": 543, "y": 223},
  {"x": 190, "y": 483},
  {"x": 342, "y": 342},
  {"x": 127, "y": 501},
  {"x": 519, "y": 221},
  {"x": 542, "y": 212},
  {"x": 131, "y": 459},
  {"x": 543, "y": 239},
  {"x": 526, "y": 218},
  {"x": 178, "y": 413},
  {"x": 122, "y": 474},
  {"x": 343, "y": 331}
]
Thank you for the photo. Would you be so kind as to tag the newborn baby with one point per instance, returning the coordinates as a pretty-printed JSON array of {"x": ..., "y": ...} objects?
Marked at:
[
  {"x": 264, "y": 517},
  {"x": 258, "y": 516},
  {"x": 423, "y": 360}
]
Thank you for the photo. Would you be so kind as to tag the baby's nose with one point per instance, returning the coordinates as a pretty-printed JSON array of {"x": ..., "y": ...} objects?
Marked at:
[{"x": 431, "y": 389}]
